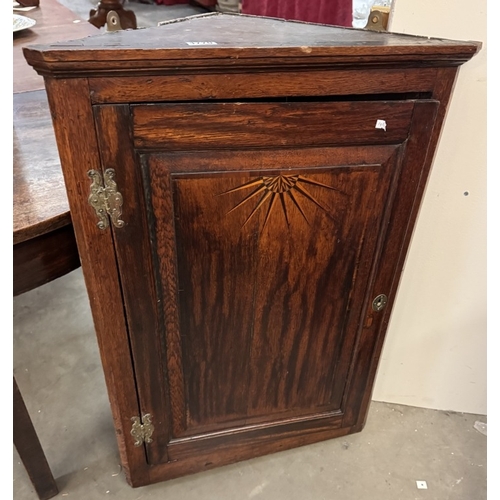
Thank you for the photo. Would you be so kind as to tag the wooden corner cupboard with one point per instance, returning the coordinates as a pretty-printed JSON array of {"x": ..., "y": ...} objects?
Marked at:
[{"x": 243, "y": 192}]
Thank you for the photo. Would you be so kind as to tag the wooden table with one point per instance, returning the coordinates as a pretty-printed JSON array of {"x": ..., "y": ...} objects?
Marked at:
[{"x": 44, "y": 242}]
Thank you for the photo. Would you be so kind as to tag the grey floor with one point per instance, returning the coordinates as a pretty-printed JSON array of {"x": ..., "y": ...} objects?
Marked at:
[
  {"x": 57, "y": 366},
  {"x": 58, "y": 370}
]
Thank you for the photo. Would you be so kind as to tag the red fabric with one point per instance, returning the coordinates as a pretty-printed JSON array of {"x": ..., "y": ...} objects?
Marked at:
[
  {"x": 170, "y": 2},
  {"x": 336, "y": 12},
  {"x": 205, "y": 3}
]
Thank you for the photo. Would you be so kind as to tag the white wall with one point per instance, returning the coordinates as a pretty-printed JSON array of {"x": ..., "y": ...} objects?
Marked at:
[{"x": 435, "y": 350}]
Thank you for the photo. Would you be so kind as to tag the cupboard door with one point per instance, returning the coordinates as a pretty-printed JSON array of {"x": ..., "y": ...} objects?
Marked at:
[{"x": 246, "y": 273}]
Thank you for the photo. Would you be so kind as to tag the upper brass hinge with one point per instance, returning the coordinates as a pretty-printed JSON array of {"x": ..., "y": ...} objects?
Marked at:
[
  {"x": 142, "y": 432},
  {"x": 105, "y": 198}
]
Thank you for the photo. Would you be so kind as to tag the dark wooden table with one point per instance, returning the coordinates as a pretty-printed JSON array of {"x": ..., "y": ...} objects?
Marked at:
[{"x": 44, "y": 242}]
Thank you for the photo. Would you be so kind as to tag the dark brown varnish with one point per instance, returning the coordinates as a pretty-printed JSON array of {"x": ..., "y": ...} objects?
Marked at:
[
  {"x": 44, "y": 242},
  {"x": 264, "y": 211},
  {"x": 30, "y": 450}
]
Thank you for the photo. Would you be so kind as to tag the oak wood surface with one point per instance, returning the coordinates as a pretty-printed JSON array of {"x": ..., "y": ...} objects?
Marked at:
[
  {"x": 256, "y": 85},
  {"x": 67, "y": 99},
  {"x": 243, "y": 125},
  {"x": 418, "y": 179},
  {"x": 253, "y": 313},
  {"x": 234, "y": 305},
  {"x": 396, "y": 226},
  {"x": 117, "y": 152}
]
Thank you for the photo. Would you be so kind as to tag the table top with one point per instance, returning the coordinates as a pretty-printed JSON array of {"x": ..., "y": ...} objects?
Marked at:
[
  {"x": 54, "y": 22},
  {"x": 40, "y": 201}
]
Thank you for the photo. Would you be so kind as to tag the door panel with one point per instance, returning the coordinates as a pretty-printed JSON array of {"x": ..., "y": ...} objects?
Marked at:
[
  {"x": 263, "y": 277},
  {"x": 246, "y": 274},
  {"x": 266, "y": 275}
]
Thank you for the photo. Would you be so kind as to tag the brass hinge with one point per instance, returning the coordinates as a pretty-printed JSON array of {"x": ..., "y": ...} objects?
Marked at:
[
  {"x": 105, "y": 198},
  {"x": 142, "y": 432}
]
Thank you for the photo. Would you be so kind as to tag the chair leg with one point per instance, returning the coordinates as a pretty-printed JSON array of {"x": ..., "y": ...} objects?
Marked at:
[{"x": 31, "y": 452}]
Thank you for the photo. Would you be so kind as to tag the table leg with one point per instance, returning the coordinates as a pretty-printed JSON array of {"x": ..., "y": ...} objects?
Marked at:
[{"x": 31, "y": 452}]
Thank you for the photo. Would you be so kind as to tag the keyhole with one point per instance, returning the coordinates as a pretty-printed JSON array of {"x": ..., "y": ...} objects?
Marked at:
[{"x": 379, "y": 302}]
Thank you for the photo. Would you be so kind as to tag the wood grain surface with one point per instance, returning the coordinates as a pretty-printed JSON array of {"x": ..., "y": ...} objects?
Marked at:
[
  {"x": 262, "y": 303},
  {"x": 67, "y": 98},
  {"x": 44, "y": 258},
  {"x": 244, "y": 125},
  {"x": 256, "y": 85},
  {"x": 40, "y": 199}
]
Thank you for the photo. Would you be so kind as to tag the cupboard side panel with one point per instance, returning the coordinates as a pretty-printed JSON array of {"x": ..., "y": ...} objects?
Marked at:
[
  {"x": 432, "y": 126},
  {"x": 415, "y": 168},
  {"x": 78, "y": 150}
]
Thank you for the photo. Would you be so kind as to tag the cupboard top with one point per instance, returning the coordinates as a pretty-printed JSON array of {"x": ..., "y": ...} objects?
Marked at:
[{"x": 240, "y": 41}]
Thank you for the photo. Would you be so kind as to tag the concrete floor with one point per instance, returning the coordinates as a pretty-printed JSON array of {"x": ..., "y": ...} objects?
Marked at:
[{"x": 57, "y": 366}]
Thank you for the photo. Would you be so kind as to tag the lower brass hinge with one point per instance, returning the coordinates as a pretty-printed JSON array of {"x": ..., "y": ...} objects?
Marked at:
[{"x": 142, "y": 432}]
